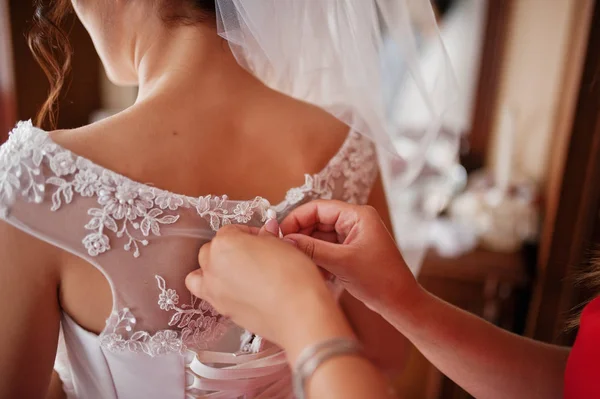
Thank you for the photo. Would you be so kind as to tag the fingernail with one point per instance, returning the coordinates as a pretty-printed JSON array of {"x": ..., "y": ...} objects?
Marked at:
[
  {"x": 290, "y": 241},
  {"x": 272, "y": 226},
  {"x": 193, "y": 278}
]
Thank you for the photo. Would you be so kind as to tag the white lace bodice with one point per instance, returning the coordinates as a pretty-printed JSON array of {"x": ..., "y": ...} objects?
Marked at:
[{"x": 145, "y": 241}]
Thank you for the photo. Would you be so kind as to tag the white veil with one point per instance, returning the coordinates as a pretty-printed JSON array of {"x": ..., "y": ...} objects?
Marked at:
[
  {"x": 329, "y": 53},
  {"x": 357, "y": 59}
]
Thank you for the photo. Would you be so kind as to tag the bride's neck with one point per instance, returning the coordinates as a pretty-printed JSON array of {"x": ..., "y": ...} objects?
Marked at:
[{"x": 187, "y": 58}]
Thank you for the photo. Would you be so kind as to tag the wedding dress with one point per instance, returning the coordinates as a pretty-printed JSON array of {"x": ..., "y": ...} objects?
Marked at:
[{"x": 159, "y": 341}]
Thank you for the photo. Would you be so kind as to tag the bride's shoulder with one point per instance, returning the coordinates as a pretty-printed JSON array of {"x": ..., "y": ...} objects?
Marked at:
[
  {"x": 84, "y": 136},
  {"x": 307, "y": 128},
  {"x": 27, "y": 136},
  {"x": 92, "y": 140},
  {"x": 28, "y": 146},
  {"x": 24, "y": 140},
  {"x": 21, "y": 181}
]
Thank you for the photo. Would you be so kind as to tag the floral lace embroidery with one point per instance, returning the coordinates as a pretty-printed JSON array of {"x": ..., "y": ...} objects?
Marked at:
[
  {"x": 198, "y": 326},
  {"x": 214, "y": 209},
  {"x": 124, "y": 206},
  {"x": 355, "y": 163},
  {"x": 200, "y": 322},
  {"x": 18, "y": 176},
  {"x": 128, "y": 208}
]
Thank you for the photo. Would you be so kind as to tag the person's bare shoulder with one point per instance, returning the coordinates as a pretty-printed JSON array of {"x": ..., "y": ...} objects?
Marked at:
[
  {"x": 91, "y": 141},
  {"x": 302, "y": 128}
]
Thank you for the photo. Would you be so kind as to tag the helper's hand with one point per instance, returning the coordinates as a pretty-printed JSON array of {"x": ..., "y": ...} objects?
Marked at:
[
  {"x": 353, "y": 243},
  {"x": 268, "y": 287}
]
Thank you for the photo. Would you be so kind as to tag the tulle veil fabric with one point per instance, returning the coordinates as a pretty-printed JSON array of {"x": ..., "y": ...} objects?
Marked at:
[{"x": 329, "y": 53}]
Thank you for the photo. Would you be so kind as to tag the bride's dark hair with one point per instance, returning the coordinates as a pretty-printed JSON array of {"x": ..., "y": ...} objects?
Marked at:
[{"x": 50, "y": 44}]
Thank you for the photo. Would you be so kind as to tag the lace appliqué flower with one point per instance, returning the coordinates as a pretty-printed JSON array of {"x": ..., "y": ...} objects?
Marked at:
[
  {"x": 96, "y": 244},
  {"x": 319, "y": 186},
  {"x": 166, "y": 200},
  {"x": 123, "y": 338},
  {"x": 196, "y": 324},
  {"x": 214, "y": 209},
  {"x": 199, "y": 322},
  {"x": 294, "y": 195},
  {"x": 355, "y": 165},
  {"x": 86, "y": 183},
  {"x": 20, "y": 165},
  {"x": 168, "y": 299},
  {"x": 63, "y": 164}
]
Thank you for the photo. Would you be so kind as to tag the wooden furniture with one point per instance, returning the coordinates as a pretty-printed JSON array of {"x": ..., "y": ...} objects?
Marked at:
[
  {"x": 487, "y": 281},
  {"x": 572, "y": 229},
  {"x": 498, "y": 13}
]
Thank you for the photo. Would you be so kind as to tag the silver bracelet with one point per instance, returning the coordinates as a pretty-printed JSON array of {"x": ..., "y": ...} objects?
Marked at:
[{"x": 315, "y": 355}]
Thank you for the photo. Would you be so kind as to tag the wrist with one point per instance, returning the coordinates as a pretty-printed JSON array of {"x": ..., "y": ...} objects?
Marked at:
[
  {"x": 317, "y": 318},
  {"x": 404, "y": 305},
  {"x": 314, "y": 356}
]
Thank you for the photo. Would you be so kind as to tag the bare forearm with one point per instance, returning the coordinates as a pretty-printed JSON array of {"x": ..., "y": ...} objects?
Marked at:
[
  {"x": 347, "y": 377},
  {"x": 485, "y": 360},
  {"x": 343, "y": 377}
]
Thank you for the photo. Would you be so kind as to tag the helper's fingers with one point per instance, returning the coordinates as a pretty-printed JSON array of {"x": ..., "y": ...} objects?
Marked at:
[
  {"x": 330, "y": 256},
  {"x": 195, "y": 283},
  {"x": 325, "y": 216},
  {"x": 236, "y": 229},
  {"x": 331, "y": 237},
  {"x": 271, "y": 228},
  {"x": 204, "y": 255}
]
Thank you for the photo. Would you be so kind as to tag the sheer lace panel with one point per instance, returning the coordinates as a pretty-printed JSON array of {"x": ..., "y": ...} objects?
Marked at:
[{"x": 144, "y": 239}]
